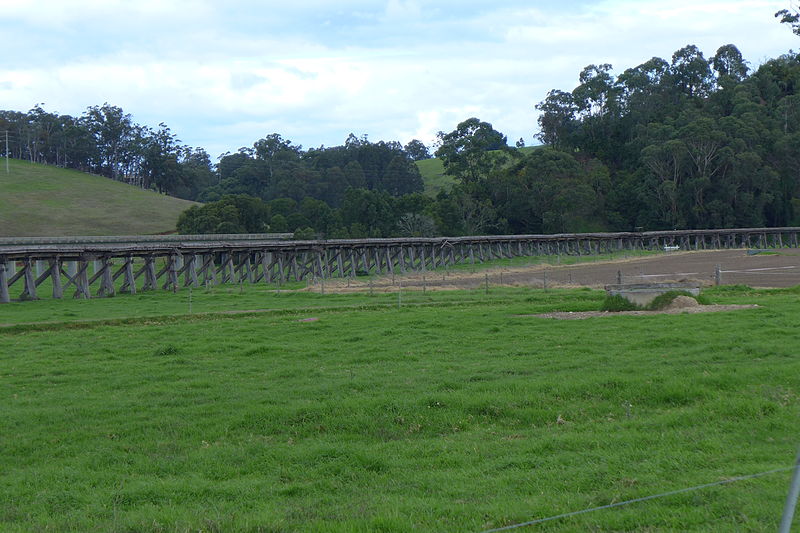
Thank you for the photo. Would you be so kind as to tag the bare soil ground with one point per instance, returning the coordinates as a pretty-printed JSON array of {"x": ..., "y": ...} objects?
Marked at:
[{"x": 773, "y": 269}]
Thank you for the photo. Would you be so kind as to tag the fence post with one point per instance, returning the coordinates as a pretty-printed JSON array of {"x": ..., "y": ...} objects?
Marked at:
[
  {"x": 717, "y": 276},
  {"x": 791, "y": 498},
  {"x": 619, "y": 277}
]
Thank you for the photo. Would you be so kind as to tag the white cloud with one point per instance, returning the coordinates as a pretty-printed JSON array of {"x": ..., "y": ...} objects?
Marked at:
[
  {"x": 402, "y": 9},
  {"x": 222, "y": 76}
]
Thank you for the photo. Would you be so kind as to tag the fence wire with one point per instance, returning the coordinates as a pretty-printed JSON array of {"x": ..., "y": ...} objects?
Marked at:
[{"x": 642, "y": 499}]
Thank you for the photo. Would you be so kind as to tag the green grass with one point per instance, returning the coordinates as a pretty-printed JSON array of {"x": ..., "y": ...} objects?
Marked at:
[
  {"x": 42, "y": 200},
  {"x": 433, "y": 175},
  {"x": 258, "y": 300},
  {"x": 428, "y": 418}
]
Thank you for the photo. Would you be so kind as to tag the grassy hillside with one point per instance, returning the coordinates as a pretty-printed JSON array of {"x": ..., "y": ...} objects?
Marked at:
[
  {"x": 433, "y": 175},
  {"x": 459, "y": 415},
  {"x": 41, "y": 200},
  {"x": 436, "y": 180}
]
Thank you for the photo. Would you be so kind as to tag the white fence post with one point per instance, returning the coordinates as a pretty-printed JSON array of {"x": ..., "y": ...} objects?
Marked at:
[{"x": 791, "y": 498}]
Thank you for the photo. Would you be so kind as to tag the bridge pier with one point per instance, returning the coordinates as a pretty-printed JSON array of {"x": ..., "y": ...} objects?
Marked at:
[
  {"x": 5, "y": 297},
  {"x": 55, "y": 276}
]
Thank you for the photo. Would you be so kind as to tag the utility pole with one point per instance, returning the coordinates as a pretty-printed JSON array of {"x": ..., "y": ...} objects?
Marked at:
[{"x": 7, "y": 152}]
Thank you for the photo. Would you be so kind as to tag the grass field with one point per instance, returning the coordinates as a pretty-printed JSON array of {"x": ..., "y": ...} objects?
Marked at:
[
  {"x": 42, "y": 200},
  {"x": 454, "y": 412},
  {"x": 433, "y": 175}
]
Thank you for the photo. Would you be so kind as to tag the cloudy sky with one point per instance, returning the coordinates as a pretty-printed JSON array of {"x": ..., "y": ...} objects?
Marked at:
[{"x": 224, "y": 74}]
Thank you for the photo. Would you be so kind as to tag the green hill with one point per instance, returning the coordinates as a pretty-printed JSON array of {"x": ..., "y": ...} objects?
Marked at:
[
  {"x": 433, "y": 175},
  {"x": 42, "y": 200}
]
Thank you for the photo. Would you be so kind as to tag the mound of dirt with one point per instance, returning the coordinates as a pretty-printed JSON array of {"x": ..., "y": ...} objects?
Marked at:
[{"x": 682, "y": 302}]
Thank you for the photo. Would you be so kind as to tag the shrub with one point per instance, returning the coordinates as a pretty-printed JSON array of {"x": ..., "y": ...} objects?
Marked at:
[
  {"x": 169, "y": 349},
  {"x": 617, "y": 303},
  {"x": 304, "y": 234}
]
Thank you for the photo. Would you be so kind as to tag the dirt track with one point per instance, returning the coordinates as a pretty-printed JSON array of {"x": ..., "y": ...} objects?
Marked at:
[
  {"x": 760, "y": 270},
  {"x": 781, "y": 269}
]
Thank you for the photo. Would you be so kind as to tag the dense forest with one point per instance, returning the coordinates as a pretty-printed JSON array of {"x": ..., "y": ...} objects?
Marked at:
[
  {"x": 689, "y": 142},
  {"x": 686, "y": 143}
]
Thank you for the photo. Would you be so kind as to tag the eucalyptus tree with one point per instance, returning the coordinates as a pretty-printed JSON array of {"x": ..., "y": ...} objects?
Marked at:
[
  {"x": 113, "y": 131},
  {"x": 160, "y": 167},
  {"x": 557, "y": 120},
  {"x": 790, "y": 17},
  {"x": 640, "y": 86},
  {"x": 596, "y": 100},
  {"x": 276, "y": 151},
  {"x": 691, "y": 72},
  {"x": 472, "y": 150},
  {"x": 728, "y": 63},
  {"x": 417, "y": 150}
]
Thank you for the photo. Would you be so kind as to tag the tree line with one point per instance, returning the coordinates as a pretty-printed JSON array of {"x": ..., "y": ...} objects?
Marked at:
[
  {"x": 275, "y": 168},
  {"x": 106, "y": 141}
]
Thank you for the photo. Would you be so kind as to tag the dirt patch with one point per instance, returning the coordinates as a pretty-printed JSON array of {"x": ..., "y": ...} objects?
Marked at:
[
  {"x": 781, "y": 269},
  {"x": 579, "y": 315}
]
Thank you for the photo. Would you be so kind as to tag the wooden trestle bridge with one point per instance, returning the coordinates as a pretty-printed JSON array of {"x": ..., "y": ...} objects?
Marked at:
[{"x": 103, "y": 266}]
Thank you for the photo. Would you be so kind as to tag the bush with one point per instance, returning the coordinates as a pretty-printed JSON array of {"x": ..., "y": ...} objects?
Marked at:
[
  {"x": 617, "y": 303},
  {"x": 304, "y": 234}
]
